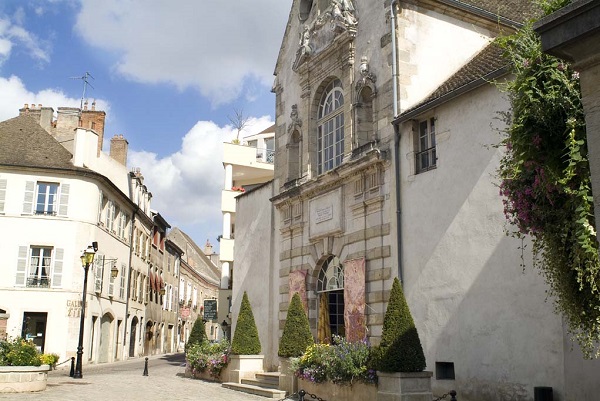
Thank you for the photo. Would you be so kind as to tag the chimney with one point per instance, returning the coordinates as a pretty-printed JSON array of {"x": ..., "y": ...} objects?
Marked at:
[
  {"x": 208, "y": 248},
  {"x": 118, "y": 149},
  {"x": 43, "y": 115},
  {"x": 94, "y": 120}
]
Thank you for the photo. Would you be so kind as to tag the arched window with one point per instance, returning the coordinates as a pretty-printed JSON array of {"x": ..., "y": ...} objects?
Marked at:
[
  {"x": 330, "y": 286},
  {"x": 330, "y": 122}
]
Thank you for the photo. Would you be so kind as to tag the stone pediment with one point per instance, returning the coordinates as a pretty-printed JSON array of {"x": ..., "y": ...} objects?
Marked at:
[{"x": 318, "y": 34}]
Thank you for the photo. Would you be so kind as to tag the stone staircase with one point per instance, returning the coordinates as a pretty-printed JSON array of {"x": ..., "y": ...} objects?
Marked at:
[{"x": 265, "y": 384}]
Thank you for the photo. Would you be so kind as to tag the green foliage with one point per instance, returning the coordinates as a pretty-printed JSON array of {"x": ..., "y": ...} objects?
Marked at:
[
  {"x": 19, "y": 352},
  {"x": 206, "y": 356},
  {"x": 545, "y": 180},
  {"x": 296, "y": 335},
  {"x": 245, "y": 339},
  {"x": 400, "y": 349},
  {"x": 198, "y": 334},
  {"x": 49, "y": 359},
  {"x": 340, "y": 363}
]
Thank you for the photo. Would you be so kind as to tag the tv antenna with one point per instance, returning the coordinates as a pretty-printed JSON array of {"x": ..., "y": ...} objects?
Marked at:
[{"x": 86, "y": 82}]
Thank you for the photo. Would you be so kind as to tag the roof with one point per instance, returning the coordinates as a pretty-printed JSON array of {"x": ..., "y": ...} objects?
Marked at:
[
  {"x": 514, "y": 10},
  {"x": 485, "y": 66},
  {"x": 23, "y": 142},
  {"x": 213, "y": 271}
]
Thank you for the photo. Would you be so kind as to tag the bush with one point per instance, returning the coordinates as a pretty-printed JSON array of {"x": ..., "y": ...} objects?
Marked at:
[
  {"x": 245, "y": 339},
  {"x": 400, "y": 349},
  {"x": 49, "y": 359},
  {"x": 206, "y": 356},
  {"x": 198, "y": 334},
  {"x": 19, "y": 352},
  {"x": 296, "y": 337},
  {"x": 340, "y": 363}
]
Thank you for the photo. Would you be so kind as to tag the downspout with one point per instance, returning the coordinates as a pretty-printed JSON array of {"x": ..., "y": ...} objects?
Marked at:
[
  {"x": 396, "y": 103},
  {"x": 128, "y": 280}
]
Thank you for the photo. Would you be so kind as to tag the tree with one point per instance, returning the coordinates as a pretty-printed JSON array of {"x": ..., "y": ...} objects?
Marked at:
[
  {"x": 198, "y": 334},
  {"x": 400, "y": 349},
  {"x": 239, "y": 122},
  {"x": 545, "y": 180},
  {"x": 245, "y": 339},
  {"x": 296, "y": 337}
]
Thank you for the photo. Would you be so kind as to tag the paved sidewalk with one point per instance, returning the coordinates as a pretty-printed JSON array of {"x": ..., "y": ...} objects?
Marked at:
[{"x": 124, "y": 381}]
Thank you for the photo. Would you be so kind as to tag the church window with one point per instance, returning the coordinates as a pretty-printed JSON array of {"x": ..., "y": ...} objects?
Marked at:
[{"x": 330, "y": 136}]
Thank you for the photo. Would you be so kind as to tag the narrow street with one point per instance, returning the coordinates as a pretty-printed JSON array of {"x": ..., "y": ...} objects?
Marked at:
[{"x": 125, "y": 381}]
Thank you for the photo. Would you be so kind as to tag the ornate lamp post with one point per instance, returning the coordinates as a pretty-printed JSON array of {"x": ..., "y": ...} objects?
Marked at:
[{"x": 87, "y": 258}]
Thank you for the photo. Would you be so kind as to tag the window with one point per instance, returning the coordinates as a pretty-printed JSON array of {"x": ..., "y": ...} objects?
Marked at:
[
  {"x": 330, "y": 135},
  {"x": 444, "y": 371},
  {"x": 426, "y": 157},
  {"x": 270, "y": 144},
  {"x": 46, "y": 198},
  {"x": 39, "y": 266}
]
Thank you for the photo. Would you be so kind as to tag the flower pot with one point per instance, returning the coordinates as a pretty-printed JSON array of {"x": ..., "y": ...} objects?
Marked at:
[
  {"x": 22, "y": 379},
  {"x": 331, "y": 391}
]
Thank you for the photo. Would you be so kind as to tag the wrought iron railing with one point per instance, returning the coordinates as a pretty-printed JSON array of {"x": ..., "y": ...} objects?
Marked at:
[
  {"x": 38, "y": 281},
  {"x": 426, "y": 160}
]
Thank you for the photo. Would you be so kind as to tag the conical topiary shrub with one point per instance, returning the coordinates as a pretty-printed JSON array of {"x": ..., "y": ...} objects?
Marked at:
[
  {"x": 198, "y": 334},
  {"x": 245, "y": 339},
  {"x": 400, "y": 349},
  {"x": 296, "y": 335}
]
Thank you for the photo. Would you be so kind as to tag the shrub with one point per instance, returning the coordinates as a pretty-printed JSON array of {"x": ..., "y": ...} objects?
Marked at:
[
  {"x": 400, "y": 349},
  {"x": 19, "y": 352},
  {"x": 245, "y": 339},
  {"x": 49, "y": 359},
  {"x": 198, "y": 334},
  {"x": 341, "y": 363},
  {"x": 206, "y": 356},
  {"x": 296, "y": 337}
]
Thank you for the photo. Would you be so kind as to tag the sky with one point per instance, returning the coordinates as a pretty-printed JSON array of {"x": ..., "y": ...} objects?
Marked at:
[{"x": 168, "y": 73}]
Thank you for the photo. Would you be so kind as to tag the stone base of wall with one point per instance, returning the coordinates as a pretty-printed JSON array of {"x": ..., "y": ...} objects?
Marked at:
[
  {"x": 404, "y": 386},
  {"x": 23, "y": 379},
  {"x": 329, "y": 391}
]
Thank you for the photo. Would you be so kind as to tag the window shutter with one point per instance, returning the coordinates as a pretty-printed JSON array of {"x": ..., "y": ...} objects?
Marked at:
[
  {"x": 28, "y": 200},
  {"x": 2, "y": 195},
  {"x": 111, "y": 286},
  {"x": 21, "y": 266},
  {"x": 99, "y": 272},
  {"x": 122, "y": 289},
  {"x": 63, "y": 206},
  {"x": 100, "y": 204},
  {"x": 59, "y": 254}
]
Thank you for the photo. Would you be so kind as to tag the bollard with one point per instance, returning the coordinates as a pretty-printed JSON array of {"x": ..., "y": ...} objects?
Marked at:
[
  {"x": 72, "y": 373},
  {"x": 301, "y": 395},
  {"x": 453, "y": 395},
  {"x": 146, "y": 367}
]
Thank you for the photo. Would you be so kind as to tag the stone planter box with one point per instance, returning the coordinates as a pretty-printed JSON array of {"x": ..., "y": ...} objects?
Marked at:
[
  {"x": 329, "y": 391},
  {"x": 288, "y": 381},
  {"x": 414, "y": 386},
  {"x": 22, "y": 379},
  {"x": 223, "y": 377},
  {"x": 244, "y": 367}
]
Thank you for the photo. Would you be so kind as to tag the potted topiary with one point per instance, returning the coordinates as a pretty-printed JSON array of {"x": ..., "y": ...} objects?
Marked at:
[
  {"x": 21, "y": 368},
  {"x": 399, "y": 358},
  {"x": 198, "y": 334},
  {"x": 245, "y": 346},
  {"x": 295, "y": 339}
]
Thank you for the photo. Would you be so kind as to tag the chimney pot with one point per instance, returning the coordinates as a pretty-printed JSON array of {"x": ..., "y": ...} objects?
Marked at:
[
  {"x": 26, "y": 106},
  {"x": 40, "y": 105},
  {"x": 93, "y": 105}
]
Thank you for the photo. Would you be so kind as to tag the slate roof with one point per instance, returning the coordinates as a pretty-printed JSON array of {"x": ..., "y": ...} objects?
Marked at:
[
  {"x": 515, "y": 10},
  {"x": 487, "y": 65},
  {"x": 23, "y": 142}
]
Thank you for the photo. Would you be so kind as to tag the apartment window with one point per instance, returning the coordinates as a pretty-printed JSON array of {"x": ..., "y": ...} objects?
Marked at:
[
  {"x": 425, "y": 155},
  {"x": 37, "y": 268},
  {"x": 330, "y": 134},
  {"x": 110, "y": 216},
  {"x": 46, "y": 198}
]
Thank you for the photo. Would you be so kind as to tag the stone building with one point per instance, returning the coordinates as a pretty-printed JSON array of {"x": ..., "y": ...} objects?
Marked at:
[{"x": 385, "y": 124}]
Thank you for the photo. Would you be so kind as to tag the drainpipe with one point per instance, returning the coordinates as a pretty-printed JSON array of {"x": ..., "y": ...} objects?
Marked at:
[
  {"x": 396, "y": 103},
  {"x": 125, "y": 350}
]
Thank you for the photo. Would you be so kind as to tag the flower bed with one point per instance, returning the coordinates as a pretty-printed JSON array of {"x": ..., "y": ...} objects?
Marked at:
[
  {"x": 21, "y": 368},
  {"x": 208, "y": 360}
]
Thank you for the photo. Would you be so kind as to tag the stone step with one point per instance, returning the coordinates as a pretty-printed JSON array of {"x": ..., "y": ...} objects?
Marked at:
[
  {"x": 270, "y": 377},
  {"x": 256, "y": 390},
  {"x": 261, "y": 383}
]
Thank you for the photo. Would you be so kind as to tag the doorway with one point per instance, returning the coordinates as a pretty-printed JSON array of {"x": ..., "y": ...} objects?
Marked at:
[
  {"x": 132, "y": 336},
  {"x": 34, "y": 328}
]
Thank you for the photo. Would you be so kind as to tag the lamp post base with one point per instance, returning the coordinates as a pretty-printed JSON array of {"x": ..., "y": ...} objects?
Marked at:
[{"x": 77, "y": 374}]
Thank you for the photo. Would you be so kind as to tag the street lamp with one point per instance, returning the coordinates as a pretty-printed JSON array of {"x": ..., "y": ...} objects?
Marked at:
[{"x": 87, "y": 258}]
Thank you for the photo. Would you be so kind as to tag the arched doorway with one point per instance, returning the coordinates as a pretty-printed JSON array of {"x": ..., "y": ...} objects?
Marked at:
[
  {"x": 132, "y": 336},
  {"x": 106, "y": 335},
  {"x": 148, "y": 338},
  {"x": 330, "y": 287}
]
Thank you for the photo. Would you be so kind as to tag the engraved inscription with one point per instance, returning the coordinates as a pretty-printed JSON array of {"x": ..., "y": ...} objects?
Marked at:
[{"x": 324, "y": 214}]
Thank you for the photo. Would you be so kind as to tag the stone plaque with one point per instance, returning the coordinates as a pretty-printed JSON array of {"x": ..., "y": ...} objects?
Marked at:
[{"x": 326, "y": 214}]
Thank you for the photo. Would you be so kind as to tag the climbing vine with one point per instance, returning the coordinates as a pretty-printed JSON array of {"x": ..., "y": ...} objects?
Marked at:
[{"x": 545, "y": 180}]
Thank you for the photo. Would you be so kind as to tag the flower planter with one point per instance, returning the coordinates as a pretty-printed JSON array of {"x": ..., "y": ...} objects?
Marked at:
[
  {"x": 223, "y": 377},
  {"x": 244, "y": 367},
  {"x": 413, "y": 386},
  {"x": 288, "y": 381},
  {"x": 330, "y": 391},
  {"x": 22, "y": 379}
]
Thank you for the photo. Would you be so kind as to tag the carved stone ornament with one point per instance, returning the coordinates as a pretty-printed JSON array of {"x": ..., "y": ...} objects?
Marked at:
[
  {"x": 367, "y": 78},
  {"x": 338, "y": 17},
  {"x": 296, "y": 123}
]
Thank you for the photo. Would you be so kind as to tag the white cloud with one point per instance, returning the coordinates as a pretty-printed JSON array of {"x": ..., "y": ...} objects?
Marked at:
[
  {"x": 187, "y": 184},
  {"x": 15, "y": 95},
  {"x": 212, "y": 46},
  {"x": 12, "y": 33}
]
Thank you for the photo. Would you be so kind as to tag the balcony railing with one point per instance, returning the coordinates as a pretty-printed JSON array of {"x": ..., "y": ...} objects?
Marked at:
[
  {"x": 426, "y": 160},
  {"x": 38, "y": 281},
  {"x": 265, "y": 155}
]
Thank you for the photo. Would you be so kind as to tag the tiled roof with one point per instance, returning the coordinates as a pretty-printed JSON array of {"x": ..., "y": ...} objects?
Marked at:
[
  {"x": 481, "y": 67},
  {"x": 515, "y": 10},
  {"x": 23, "y": 142}
]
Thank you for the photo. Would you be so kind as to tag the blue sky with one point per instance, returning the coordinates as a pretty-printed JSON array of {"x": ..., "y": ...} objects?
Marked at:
[{"x": 167, "y": 72}]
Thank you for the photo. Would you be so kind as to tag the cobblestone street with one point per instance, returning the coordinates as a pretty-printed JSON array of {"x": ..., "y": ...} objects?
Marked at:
[{"x": 125, "y": 381}]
